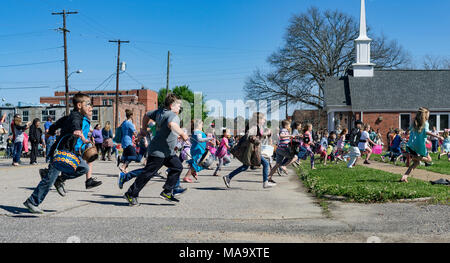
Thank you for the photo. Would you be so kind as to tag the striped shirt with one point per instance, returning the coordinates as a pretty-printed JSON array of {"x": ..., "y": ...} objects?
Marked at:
[{"x": 284, "y": 142}]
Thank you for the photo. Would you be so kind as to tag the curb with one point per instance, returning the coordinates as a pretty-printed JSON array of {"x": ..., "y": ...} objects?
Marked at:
[{"x": 343, "y": 198}]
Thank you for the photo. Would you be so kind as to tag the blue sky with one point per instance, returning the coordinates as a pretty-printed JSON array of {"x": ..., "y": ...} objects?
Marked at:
[{"x": 215, "y": 45}]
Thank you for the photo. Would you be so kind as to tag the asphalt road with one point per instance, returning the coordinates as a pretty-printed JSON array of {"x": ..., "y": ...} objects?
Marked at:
[{"x": 208, "y": 212}]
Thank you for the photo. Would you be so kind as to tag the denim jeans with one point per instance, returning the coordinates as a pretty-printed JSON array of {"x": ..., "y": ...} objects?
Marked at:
[
  {"x": 434, "y": 146},
  {"x": 17, "y": 152},
  {"x": 244, "y": 168},
  {"x": 151, "y": 169},
  {"x": 48, "y": 146},
  {"x": 41, "y": 191}
]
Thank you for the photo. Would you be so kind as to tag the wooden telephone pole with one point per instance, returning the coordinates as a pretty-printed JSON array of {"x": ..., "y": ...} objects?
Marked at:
[
  {"x": 168, "y": 71},
  {"x": 116, "y": 119},
  {"x": 66, "y": 77}
]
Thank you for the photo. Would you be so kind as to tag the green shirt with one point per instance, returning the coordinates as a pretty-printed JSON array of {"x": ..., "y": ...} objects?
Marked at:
[{"x": 417, "y": 140}]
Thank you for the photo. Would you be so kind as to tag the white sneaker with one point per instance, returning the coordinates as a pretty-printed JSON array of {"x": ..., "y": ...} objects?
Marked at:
[
  {"x": 268, "y": 184},
  {"x": 226, "y": 180}
]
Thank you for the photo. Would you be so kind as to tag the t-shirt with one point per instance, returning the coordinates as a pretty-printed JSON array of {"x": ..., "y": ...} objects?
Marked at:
[
  {"x": 417, "y": 141},
  {"x": 47, "y": 125},
  {"x": 364, "y": 137},
  {"x": 86, "y": 127},
  {"x": 284, "y": 142},
  {"x": 164, "y": 141},
  {"x": 127, "y": 133}
]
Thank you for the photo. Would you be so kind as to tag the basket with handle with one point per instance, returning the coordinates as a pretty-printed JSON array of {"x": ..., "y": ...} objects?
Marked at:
[{"x": 65, "y": 161}]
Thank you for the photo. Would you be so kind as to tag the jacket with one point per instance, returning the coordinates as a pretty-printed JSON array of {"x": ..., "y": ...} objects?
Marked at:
[
  {"x": 67, "y": 124},
  {"x": 35, "y": 134},
  {"x": 248, "y": 150}
]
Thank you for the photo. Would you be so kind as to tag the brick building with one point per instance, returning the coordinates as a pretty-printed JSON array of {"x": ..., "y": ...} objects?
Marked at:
[
  {"x": 148, "y": 98},
  {"x": 310, "y": 116},
  {"x": 139, "y": 101},
  {"x": 385, "y": 98}
]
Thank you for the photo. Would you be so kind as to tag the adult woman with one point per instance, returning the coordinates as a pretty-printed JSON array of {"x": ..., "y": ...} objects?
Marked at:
[
  {"x": 198, "y": 148},
  {"x": 434, "y": 140},
  {"x": 252, "y": 151},
  {"x": 18, "y": 137},
  {"x": 35, "y": 140},
  {"x": 107, "y": 141},
  {"x": 98, "y": 138}
]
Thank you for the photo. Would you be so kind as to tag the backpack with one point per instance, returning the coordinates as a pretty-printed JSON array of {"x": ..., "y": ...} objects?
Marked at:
[
  {"x": 118, "y": 136},
  {"x": 354, "y": 137}
]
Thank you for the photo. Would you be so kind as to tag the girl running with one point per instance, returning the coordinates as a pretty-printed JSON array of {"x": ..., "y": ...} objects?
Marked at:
[
  {"x": 417, "y": 141},
  {"x": 445, "y": 146}
]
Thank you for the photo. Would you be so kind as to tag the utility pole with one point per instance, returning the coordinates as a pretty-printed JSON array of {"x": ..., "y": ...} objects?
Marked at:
[
  {"x": 66, "y": 77},
  {"x": 116, "y": 120},
  {"x": 168, "y": 70}
]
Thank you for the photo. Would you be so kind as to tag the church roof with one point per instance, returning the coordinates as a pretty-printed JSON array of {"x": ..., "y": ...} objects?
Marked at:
[{"x": 390, "y": 90}]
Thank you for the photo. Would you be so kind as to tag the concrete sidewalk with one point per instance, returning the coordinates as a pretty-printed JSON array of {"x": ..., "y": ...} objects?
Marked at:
[
  {"x": 208, "y": 212},
  {"x": 417, "y": 173}
]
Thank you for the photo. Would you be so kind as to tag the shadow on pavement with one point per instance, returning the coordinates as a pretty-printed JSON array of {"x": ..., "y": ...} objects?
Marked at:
[
  {"x": 210, "y": 188},
  {"x": 124, "y": 203},
  {"x": 19, "y": 210}
]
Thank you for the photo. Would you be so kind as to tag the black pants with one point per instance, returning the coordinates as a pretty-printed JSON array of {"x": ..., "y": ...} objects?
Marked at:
[
  {"x": 152, "y": 168},
  {"x": 34, "y": 152}
]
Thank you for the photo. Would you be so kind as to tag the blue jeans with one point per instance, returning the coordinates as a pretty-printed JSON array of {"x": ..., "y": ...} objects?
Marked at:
[
  {"x": 48, "y": 144},
  {"x": 17, "y": 152},
  {"x": 244, "y": 168},
  {"x": 434, "y": 146},
  {"x": 41, "y": 191}
]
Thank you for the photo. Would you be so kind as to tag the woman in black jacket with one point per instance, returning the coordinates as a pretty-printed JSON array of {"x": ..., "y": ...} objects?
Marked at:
[{"x": 35, "y": 139}]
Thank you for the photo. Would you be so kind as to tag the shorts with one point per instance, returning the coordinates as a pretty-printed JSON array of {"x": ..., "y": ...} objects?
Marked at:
[{"x": 281, "y": 154}]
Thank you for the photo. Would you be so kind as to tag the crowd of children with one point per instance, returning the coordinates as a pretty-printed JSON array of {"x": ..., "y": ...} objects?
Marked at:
[{"x": 167, "y": 144}]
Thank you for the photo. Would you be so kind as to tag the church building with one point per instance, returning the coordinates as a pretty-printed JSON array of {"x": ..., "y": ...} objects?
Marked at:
[{"x": 385, "y": 98}]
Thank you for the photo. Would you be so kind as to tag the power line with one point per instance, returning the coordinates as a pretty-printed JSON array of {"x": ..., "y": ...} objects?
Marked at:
[
  {"x": 30, "y": 64},
  {"x": 21, "y": 88},
  {"x": 29, "y": 51},
  {"x": 108, "y": 78}
]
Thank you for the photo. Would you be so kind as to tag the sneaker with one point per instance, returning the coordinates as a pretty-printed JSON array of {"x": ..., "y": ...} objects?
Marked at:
[
  {"x": 131, "y": 200},
  {"x": 428, "y": 164},
  {"x": 59, "y": 185},
  {"x": 272, "y": 181},
  {"x": 121, "y": 180},
  {"x": 43, "y": 172},
  {"x": 168, "y": 197},
  {"x": 92, "y": 182},
  {"x": 15, "y": 164},
  {"x": 179, "y": 191},
  {"x": 32, "y": 208},
  {"x": 226, "y": 180},
  {"x": 383, "y": 159},
  {"x": 366, "y": 162},
  {"x": 267, "y": 184}
]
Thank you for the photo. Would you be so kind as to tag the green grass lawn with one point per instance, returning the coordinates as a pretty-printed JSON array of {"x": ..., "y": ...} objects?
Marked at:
[
  {"x": 441, "y": 166},
  {"x": 366, "y": 185}
]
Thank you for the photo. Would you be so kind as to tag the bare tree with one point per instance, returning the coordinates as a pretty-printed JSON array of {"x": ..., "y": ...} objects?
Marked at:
[
  {"x": 435, "y": 62},
  {"x": 318, "y": 45}
]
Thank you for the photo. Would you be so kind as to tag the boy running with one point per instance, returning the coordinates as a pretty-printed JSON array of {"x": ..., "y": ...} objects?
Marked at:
[
  {"x": 71, "y": 136},
  {"x": 161, "y": 151}
]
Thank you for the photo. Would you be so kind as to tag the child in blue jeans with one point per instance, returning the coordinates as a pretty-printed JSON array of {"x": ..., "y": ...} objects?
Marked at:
[{"x": 71, "y": 137}]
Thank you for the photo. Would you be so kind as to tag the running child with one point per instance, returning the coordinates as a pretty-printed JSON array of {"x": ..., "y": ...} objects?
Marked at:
[
  {"x": 161, "y": 151},
  {"x": 417, "y": 141},
  {"x": 70, "y": 138},
  {"x": 445, "y": 146}
]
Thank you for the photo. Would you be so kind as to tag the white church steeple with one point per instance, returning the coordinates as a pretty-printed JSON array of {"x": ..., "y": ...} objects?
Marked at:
[{"x": 363, "y": 67}]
